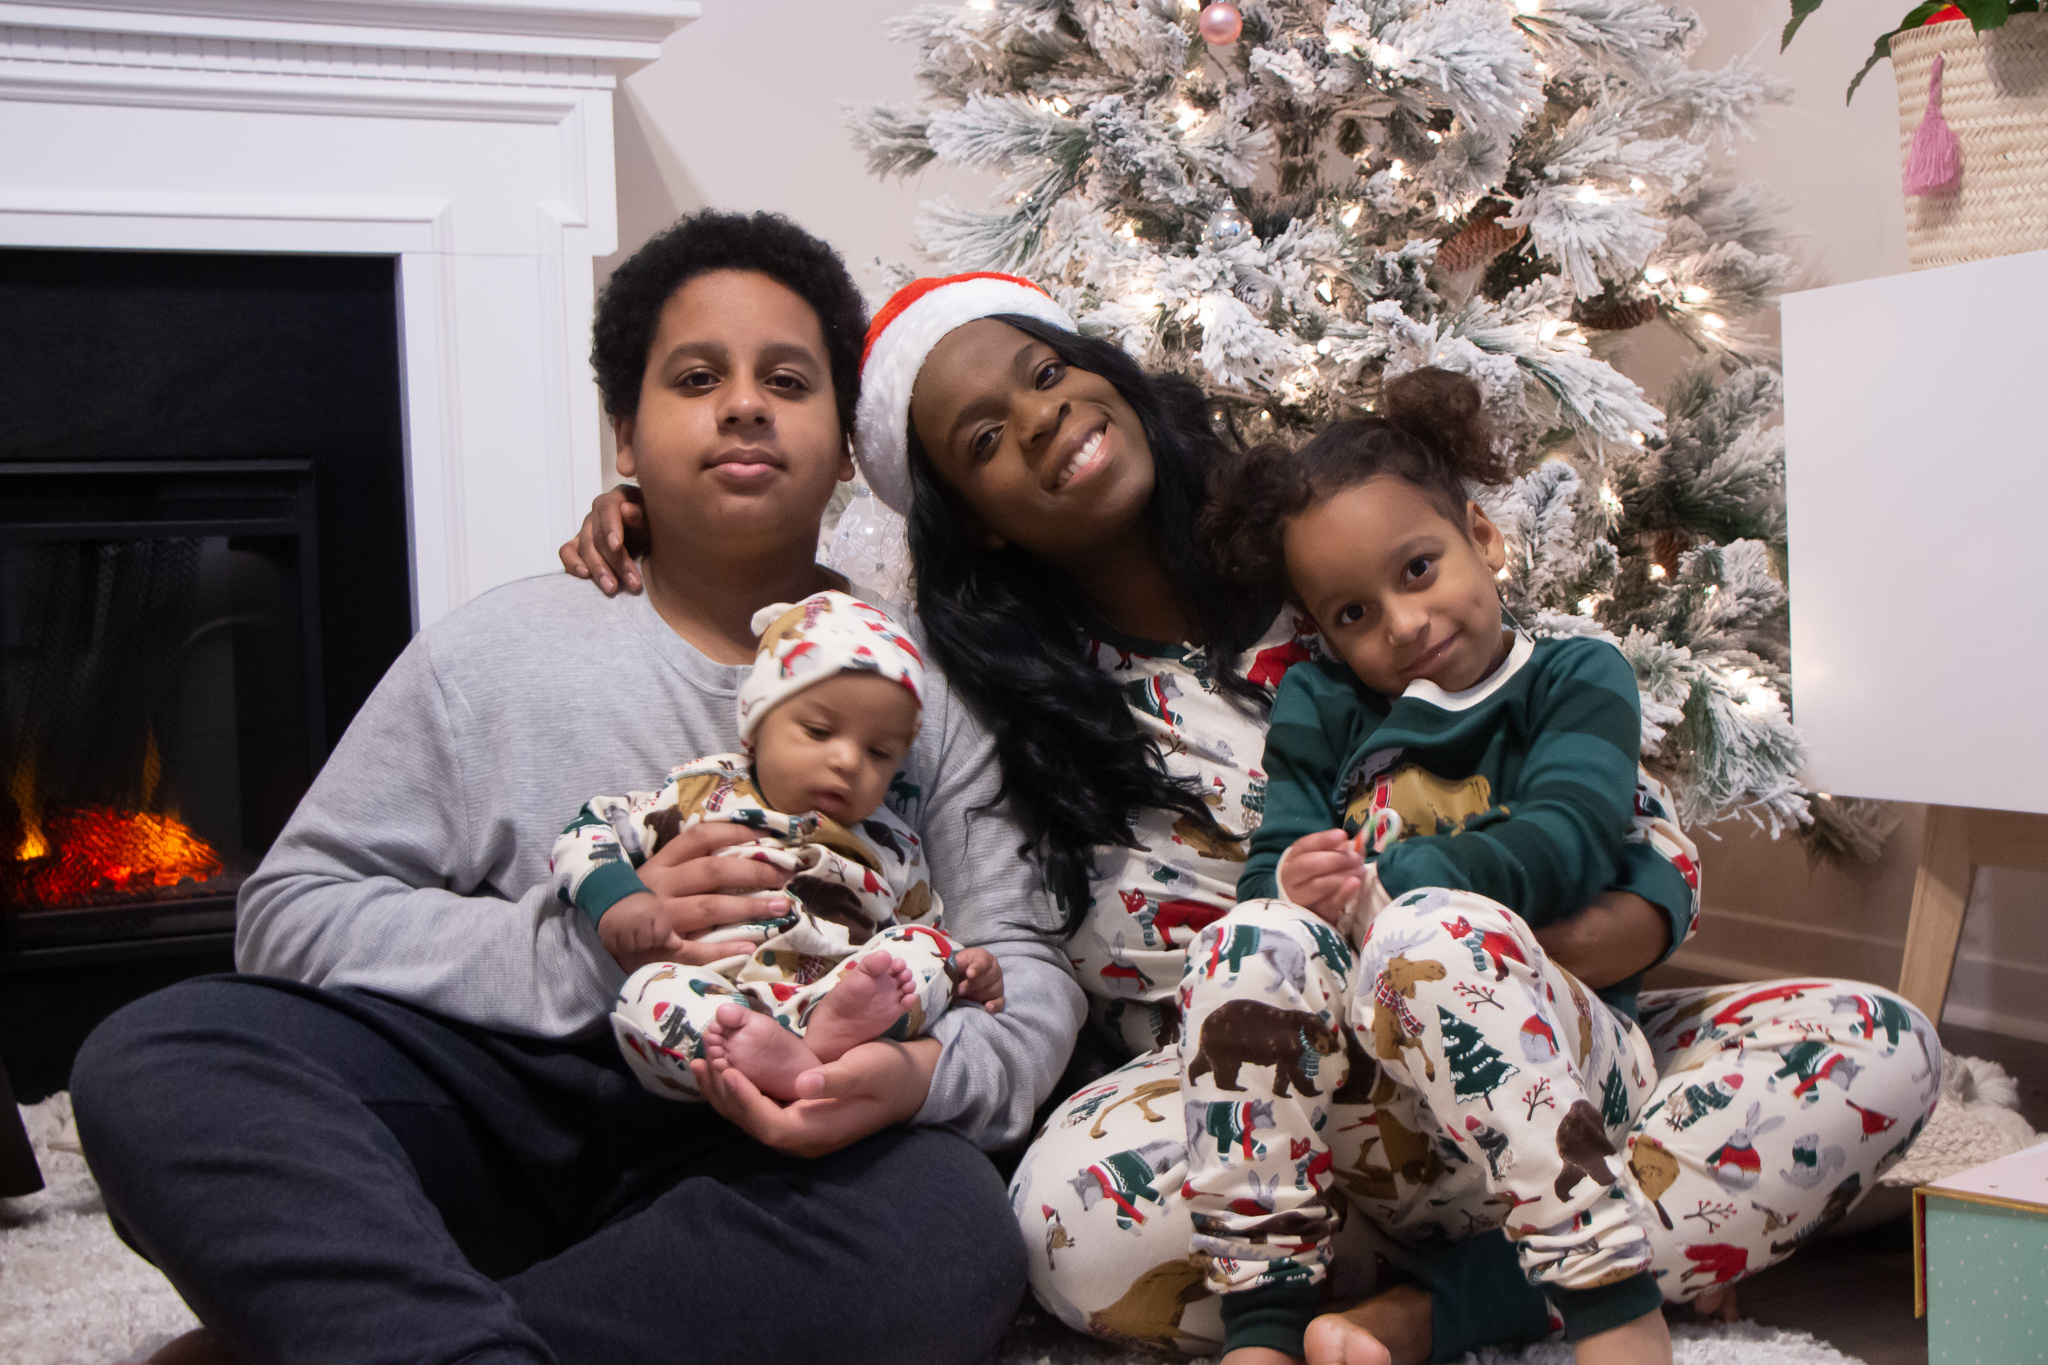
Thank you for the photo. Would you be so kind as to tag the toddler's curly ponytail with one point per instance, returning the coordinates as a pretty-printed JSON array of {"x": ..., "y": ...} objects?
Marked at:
[{"x": 1433, "y": 433}]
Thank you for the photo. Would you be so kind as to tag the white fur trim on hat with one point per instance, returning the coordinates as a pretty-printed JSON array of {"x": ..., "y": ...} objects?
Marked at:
[
  {"x": 826, "y": 634},
  {"x": 882, "y": 419}
]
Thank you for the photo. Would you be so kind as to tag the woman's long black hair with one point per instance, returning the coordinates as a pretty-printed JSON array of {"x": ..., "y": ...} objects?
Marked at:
[{"x": 1076, "y": 768}]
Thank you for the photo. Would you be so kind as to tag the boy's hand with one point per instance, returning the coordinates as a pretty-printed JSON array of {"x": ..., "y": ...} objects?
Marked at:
[
  {"x": 1323, "y": 873},
  {"x": 696, "y": 891},
  {"x": 980, "y": 979},
  {"x": 869, "y": 1088},
  {"x": 1645, "y": 1341},
  {"x": 613, "y": 532}
]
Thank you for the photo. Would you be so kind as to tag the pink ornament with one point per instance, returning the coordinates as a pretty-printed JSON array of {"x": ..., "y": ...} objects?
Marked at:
[{"x": 1220, "y": 24}]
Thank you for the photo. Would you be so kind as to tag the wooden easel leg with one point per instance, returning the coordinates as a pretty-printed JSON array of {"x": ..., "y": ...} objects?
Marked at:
[{"x": 1941, "y": 895}]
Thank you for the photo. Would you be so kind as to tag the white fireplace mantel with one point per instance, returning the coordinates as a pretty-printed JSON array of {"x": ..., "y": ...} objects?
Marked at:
[{"x": 469, "y": 139}]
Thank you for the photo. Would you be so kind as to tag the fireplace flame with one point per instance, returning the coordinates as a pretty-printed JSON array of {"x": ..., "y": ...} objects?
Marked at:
[
  {"x": 70, "y": 855},
  {"x": 101, "y": 851},
  {"x": 22, "y": 787}
]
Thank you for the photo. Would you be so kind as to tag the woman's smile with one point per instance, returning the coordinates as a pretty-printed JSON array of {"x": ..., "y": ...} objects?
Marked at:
[{"x": 1089, "y": 452}]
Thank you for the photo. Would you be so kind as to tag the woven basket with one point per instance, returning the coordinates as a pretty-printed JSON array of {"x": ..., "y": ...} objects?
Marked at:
[{"x": 1994, "y": 93}]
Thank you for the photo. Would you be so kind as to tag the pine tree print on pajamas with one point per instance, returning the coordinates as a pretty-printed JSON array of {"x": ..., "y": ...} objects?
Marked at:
[
  {"x": 1474, "y": 1113},
  {"x": 1722, "y": 1191}
]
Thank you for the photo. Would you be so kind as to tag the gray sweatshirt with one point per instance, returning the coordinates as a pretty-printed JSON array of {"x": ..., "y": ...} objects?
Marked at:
[{"x": 417, "y": 864}]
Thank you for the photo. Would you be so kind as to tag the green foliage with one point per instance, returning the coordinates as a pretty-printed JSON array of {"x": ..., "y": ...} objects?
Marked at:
[{"x": 1982, "y": 14}]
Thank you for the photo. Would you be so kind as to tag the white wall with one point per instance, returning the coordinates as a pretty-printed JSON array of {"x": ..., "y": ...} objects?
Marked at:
[{"x": 742, "y": 112}]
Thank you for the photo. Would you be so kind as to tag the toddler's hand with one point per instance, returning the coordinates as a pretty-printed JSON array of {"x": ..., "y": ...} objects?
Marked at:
[
  {"x": 635, "y": 926},
  {"x": 1323, "y": 873},
  {"x": 980, "y": 978}
]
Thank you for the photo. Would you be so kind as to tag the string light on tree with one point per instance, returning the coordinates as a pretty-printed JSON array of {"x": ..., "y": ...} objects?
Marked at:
[{"x": 1294, "y": 202}]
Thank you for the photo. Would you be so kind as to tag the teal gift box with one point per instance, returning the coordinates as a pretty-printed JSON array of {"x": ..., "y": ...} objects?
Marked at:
[{"x": 1980, "y": 1262}]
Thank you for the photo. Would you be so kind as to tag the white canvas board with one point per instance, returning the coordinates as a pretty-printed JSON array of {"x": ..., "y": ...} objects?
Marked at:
[{"x": 1916, "y": 466}]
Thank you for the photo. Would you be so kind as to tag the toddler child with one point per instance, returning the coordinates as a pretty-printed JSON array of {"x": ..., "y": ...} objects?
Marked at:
[
  {"x": 1435, "y": 787},
  {"x": 826, "y": 716}
]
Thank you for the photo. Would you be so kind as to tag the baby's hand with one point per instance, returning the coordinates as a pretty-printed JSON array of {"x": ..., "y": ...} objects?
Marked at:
[
  {"x": 980, "y": 978},
  {"x": 635, "y": 926},
  {"x": 1323, "y": 873}
]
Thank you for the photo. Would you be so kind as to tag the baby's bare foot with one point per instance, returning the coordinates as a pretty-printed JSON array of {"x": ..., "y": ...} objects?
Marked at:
[
  {"x": 872, "y": 995},
  {"x": 1391, "y": 1328},
  {"x": 760, "y": 1049}
]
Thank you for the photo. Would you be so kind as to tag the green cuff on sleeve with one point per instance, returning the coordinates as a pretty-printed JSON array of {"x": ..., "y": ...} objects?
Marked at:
[
  {"x": 1590, "y": 1311},
  {"x": 1479, "y": 1297},
  {"x": 605, "y": 886},
  {"x": 1275, "y": 1316}
]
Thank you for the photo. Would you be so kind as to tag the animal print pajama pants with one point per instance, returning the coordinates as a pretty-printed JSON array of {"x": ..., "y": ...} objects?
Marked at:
[
  {"x": 664, "y": 1008},
  {"x": 1347, "y": 1119}
]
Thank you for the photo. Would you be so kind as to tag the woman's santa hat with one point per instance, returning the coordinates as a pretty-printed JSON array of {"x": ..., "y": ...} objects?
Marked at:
[{"x": 899, "y": 339}]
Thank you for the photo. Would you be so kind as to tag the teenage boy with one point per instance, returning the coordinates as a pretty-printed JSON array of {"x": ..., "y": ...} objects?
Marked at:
[{"x": 406, "y": 1134}]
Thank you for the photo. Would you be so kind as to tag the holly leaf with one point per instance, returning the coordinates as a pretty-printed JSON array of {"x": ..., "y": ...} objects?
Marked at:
[
  {"x": 1882, "y": 50},
  {"x": 1984, "y": 13},
  {"x": 1800, "y": 9}
]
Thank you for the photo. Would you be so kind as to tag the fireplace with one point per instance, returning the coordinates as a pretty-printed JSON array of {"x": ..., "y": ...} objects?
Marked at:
[
  {"x": 161, "y": 689},
  {"x": 204, "y": 570},
  {"x": 310, "y": 283}
]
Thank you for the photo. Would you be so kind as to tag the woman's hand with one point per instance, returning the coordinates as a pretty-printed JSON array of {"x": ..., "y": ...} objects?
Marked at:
[
  {"x": 614, "y": 532},
  {"x": 869, "y": 1088},
  {"x": 1322, "y": 873},
  {"x": 1613, "y": 938},
  {"x": 696, "y": 891}
]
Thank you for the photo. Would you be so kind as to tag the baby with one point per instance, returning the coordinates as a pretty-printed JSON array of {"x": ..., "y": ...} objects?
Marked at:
[{"x": 826, "y": 716}]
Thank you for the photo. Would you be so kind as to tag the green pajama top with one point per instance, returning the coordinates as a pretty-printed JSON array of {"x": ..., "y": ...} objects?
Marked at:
[
  {"x": 1527, "y": 780},
  {"x": 1527, "y": 783}
]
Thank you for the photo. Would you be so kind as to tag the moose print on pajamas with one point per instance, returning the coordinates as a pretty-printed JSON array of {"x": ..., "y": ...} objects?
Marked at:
[
  {"x": 1461, "y": 1124},
  {"x": 1381, "y": 1156},
  {"x": 1443, "y": 1112},
  {"x": 1150, "y": 902},
  {"x": 851, "y": 890},
  {"x": 1383, "y": 1184}
]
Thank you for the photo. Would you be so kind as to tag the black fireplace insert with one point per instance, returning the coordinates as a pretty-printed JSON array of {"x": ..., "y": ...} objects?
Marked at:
[
  {"x": 204, "y": 571},
  {"x": 160, "y": 690}
]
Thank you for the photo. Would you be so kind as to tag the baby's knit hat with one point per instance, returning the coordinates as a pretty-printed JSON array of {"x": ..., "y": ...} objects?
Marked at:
[
  {"x": 901, "y": 336},
  {"x": 826, "y": 634}
]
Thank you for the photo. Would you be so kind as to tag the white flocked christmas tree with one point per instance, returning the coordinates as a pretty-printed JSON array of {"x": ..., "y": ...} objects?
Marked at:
[{"x": 1348, "y": 189}]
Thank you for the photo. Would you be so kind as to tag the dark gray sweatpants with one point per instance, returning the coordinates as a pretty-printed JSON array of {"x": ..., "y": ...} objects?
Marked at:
[{"x": 331, "y": 1176}]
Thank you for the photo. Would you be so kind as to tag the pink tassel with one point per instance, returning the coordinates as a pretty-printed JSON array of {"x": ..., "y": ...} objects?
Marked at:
[{"x": 1934, "y": 165}]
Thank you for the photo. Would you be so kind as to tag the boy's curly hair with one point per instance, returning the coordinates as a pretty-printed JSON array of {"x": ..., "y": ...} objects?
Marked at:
[
  {"x": 1433, "y": 433},
  {"x": 629, "y": 308}
]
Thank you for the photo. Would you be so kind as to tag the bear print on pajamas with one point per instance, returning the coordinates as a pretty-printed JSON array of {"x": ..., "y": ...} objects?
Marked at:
[{"x": 1249, "y": 1033}]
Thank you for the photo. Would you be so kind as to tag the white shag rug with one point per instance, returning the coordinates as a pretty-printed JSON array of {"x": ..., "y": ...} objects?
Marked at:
[{"x": 72, "y": 1294}]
